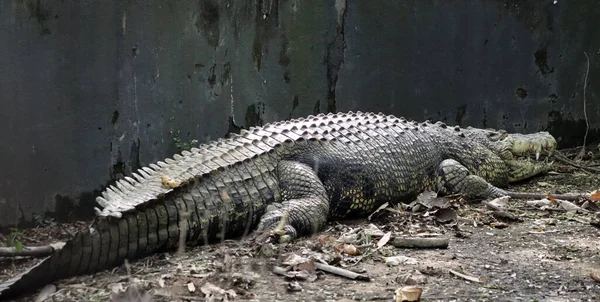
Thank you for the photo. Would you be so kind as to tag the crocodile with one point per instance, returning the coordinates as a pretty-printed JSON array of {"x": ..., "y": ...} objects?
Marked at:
[{"x": 286, "y": 180}]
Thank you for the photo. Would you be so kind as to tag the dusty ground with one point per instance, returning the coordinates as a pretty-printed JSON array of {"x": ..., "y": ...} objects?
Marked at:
[{"x": 548, "y": 256}]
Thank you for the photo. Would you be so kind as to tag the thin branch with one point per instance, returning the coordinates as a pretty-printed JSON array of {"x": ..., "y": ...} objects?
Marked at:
[
  {"x": 562, "y": 158},
  {"x": 341, "y": 272},
  {"x": 570, "y": 197},
  {"x": 587, "y": 123},
  {"x": 34, "y": 251},
  {"x": 418, "y": 242}
]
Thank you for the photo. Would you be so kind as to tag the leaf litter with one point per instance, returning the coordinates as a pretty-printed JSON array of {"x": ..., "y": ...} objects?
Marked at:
[{"x": 457, "y": 250}]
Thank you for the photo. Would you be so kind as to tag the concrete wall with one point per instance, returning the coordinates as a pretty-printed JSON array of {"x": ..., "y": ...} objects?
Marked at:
[{"x": 90, "y": 90}]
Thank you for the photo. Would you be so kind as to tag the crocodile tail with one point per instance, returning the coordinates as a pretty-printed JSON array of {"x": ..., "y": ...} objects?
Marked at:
[{"x": 106, "y": 244}]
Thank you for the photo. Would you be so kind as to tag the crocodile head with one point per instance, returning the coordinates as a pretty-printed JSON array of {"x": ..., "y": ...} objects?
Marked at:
[{"x": 516, "y": 150}]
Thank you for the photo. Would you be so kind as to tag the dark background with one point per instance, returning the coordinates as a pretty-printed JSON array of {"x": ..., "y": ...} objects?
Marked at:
[{"x": 90, "y": 90}]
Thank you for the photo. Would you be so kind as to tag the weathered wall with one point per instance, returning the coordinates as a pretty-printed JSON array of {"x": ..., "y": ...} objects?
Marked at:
[{"x": 90, "y": 90}]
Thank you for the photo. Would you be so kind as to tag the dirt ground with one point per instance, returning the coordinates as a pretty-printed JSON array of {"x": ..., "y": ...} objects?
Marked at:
[{"x": 535, "y": 252}]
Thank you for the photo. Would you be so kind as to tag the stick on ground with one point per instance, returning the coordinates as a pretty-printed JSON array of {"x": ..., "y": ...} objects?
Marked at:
[
  {"x": 570, "y": 197},
  {"x": 341, "y": 272},
  {"x": 34, "y": 251},
  {"x": 420, "y": 242}
]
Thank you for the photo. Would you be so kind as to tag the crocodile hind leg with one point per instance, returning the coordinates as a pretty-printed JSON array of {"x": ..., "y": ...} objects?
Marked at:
[
  {"x": 454, "y": 178},
  {"x": 304, "y": 207}
]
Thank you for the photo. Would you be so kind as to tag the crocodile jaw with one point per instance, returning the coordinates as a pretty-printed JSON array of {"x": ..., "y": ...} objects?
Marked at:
[
  {"x": 522, "y": 169},
  {"x": 523, "y": 144}
]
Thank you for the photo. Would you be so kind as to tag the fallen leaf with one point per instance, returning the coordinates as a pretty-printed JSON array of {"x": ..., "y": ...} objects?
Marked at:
[
  {"x": 500, "y": 202},
  {"x": 326, "y": 239},
  {"x": 57, "y": 245},
  {"x": 306, "y": 266},
  {"x": 539, "y": 203},
  {"x": 569, "y": 206},
  {"x": 45, "y": 293},
  {"x": 169, "y": 183},
  {"x": 426, "y": 197},
  {"x": 408, "y": 294},
  {"x": 595, "y": 196},
  {"x": 191, "y": 287},
  {"x": 384, "y": 240},
  {"x": 445, "y": 215},
  {"x": 294, "y": 260},
  {"x": 552, "y": 199},
  {"x": 212, "y": 291},
  {"x": 381, "y": 207},
  {"x": 116, "y": 288},
  {"x": 351, "y": 250},
  {"x": 397, "y": 260},
  {"x": 373, "y": 231},
  {"x": 595, "y": 276}
]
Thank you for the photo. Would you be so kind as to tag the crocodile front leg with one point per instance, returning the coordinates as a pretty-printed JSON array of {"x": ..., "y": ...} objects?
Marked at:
[
  {"x": 305, "y": 204},
  {"x": 454, "y": 178}
]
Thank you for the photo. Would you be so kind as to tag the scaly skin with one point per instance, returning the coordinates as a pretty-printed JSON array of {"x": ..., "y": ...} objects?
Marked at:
[{"x": 291, "y": 177}]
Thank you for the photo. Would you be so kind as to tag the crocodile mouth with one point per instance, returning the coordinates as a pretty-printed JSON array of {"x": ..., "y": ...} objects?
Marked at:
[
  {"x": 523, "y": 153},
  {"x": 526, "y": 145}
]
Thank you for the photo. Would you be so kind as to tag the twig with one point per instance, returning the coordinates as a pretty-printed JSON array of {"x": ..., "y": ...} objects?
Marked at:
[
  {"x": 501, "y": 213},
  {"x": 420, "y": 242},
  {"x": 506, "y": 215},
  {"x": 491, "y": 205},
  {"x": 467, "y": 277},
  {"x": 562, "y": 158},
  {"x": 341, "y": 272},
  {"x": 34, "y": 251},
  {"x": 587, "y": 123},
  {"x": 569, "y": 197},
  {"x": 280, "y": 271}
]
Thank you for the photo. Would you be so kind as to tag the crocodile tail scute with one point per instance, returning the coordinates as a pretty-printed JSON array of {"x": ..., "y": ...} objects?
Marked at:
[{"x": 107, "y": 244}]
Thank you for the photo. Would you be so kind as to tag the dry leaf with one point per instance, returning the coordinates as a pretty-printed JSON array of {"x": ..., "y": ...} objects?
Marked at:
[
  {"x": 211, "y": 291},
  {"x": 384, "y": 240},
  {"x": 595, "y": 276},
  {"x": 294, "y": 260},
  {"x": 46, "y": 292},
  {"x": 326, "y": 239},
  {"x": 169, "y": 183},
  {"x": 500, "y": 202},
  {"x": 552, "y": 199},
  {"x": 116, "y": 287},
  {"x": 539, "y": 203},
  {"x": 408, "y": 294},
  {"x": 445, "y": 215},
  {"x": 397, "y": 260},
  {"x": 381, "y": 207},
  {"x": 373, "y": 231},
  {"x": 595, "y": 196},
  {"x": 351, "y": 250},
  {"x": 569, "y": 206}
]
